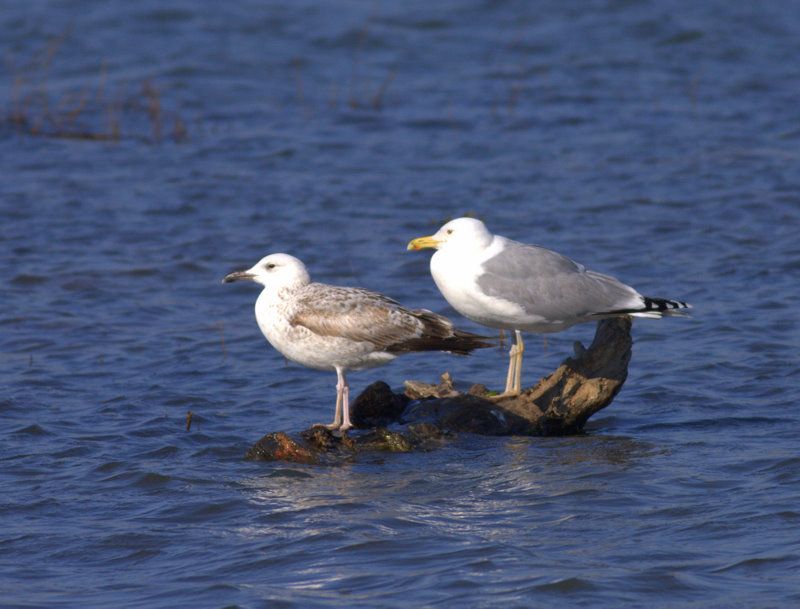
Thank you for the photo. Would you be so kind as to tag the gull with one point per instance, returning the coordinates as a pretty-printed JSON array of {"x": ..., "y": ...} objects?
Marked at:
[
  {"x": 329, "y": 327},
  {"x": 505, "y": 284}
]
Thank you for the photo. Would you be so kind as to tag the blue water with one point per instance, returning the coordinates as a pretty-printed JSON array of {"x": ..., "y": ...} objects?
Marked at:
[{"x": 656, "y": 141}]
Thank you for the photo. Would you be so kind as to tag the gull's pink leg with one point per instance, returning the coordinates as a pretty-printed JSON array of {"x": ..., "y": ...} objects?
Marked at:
[
  {"x": 337, "y": 417},
  {"x": 346, "y": 424}
]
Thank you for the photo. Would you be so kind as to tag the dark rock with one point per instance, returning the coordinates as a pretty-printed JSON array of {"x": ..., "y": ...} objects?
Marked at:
[
  {"x": 559, "y": 404},
  {"x": 386, "y": 440},
  {"x": 377, "y": 406},
  {"x": 322, "y": 439},
  {"x": 426, "y": 436},
  {"x": 280, "y": 447},
  {"x": 468, "y": 413}
]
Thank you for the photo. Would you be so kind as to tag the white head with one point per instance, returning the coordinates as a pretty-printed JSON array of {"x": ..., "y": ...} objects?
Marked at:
[
  {"x": 467, "y": 233},
  {"x": 274, "y": 272}
]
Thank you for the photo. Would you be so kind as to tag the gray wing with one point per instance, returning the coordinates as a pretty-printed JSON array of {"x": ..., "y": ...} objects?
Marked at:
[
  {"x": 545, "y": 283},
  {"x": 361, "y": 315}
]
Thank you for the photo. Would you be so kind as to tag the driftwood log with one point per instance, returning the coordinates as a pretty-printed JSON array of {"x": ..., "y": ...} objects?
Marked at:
[{"x": 425, "y": 415}]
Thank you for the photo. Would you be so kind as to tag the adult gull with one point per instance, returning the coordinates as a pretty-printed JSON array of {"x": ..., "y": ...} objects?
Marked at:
[
  {"x": 329, "y": 327},
  {"x": 501, "y": 283}
]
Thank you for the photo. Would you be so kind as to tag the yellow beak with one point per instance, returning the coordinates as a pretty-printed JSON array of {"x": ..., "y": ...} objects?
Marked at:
[{"x": 421, "y": 243}]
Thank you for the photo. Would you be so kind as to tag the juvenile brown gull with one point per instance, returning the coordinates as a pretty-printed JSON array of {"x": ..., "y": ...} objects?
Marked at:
[
  {"x": 329, "y": 327},
  {"x": 501, "y": 283}
]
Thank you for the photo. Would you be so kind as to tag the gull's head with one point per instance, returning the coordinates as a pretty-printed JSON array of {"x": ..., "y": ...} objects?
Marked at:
[
  {"x": 274, "y": 271},
  {"x": 466, "y": 233}
]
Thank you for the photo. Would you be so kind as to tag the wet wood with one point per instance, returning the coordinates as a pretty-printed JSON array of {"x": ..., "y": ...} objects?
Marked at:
[{"x": 426, "y": 414}]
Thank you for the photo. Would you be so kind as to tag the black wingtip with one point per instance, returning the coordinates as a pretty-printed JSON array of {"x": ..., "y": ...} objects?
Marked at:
[
  {"x": 663, "y": 304},
  {"x": 657, "y": 306}
]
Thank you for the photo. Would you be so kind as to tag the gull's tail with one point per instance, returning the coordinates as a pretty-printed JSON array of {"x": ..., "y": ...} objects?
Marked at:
[
  {"x": 437, "y": 333},
  {"x": 653, "y": 308}
]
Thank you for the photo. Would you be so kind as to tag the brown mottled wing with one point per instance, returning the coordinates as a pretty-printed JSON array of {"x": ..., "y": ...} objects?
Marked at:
[
  {"x": 361, "y": 315},
  {"x": 355, "y": 314}
]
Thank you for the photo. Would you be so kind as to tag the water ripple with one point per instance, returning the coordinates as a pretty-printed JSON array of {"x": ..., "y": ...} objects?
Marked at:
[{"x": 655, "y": 148}]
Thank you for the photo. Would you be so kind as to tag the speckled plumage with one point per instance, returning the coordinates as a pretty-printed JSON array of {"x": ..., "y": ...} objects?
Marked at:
[{"x": 329, "y": 327}]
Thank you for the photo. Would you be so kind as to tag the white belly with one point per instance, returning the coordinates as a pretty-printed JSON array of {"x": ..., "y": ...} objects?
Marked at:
[
  {"x": 456, "y": 281},
  {"x": 300, "y": 345}
]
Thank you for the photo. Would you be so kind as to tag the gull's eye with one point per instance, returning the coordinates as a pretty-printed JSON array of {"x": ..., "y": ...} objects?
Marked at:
[
  {"x": 449, "y": 231},
  {"x": 270, "y": 266}
]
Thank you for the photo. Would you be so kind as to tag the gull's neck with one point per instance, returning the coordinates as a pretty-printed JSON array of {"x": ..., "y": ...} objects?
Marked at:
[{"x": 283, "y": 291}]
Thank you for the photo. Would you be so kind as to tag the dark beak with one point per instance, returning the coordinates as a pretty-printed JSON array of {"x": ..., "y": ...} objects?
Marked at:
[{"x": 237, "y": 276}]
